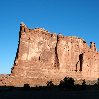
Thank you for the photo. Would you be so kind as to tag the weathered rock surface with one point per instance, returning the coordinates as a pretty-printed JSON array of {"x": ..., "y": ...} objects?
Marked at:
[{"x": 42, "y": 56}]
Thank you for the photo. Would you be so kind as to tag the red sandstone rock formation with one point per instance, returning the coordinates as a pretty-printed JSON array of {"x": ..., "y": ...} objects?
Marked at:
[{"x": 42, "y": 57}]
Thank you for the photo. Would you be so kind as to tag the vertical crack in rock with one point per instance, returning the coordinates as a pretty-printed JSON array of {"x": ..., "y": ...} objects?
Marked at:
[
  {"x": 29, "y": 40},
  {"x": 56, "y": 56},
  {"x": 39, "y": 58},
  {"x": 77, "y": 66},
  {"x": 79, "y": 63}
]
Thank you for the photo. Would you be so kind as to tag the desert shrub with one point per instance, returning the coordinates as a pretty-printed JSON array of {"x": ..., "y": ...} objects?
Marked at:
[
  {"x": 83, "y": 84},
  {"x": 98, "y": 81},
  {"x": 67, "y": 83},
  {"x": 50, "y": 84},
  {"x": 26, "y": 86}
]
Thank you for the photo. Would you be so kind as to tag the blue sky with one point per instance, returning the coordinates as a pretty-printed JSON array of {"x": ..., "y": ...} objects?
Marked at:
[{"x": 69, "y": 17}]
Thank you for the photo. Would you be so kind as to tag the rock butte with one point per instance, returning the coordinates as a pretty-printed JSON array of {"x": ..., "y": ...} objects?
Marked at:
[{"x": 43, "y": 57}]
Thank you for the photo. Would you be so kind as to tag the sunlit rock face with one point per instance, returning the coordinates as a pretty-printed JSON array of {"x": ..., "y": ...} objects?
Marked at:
[{"x": 42, "y": 56}]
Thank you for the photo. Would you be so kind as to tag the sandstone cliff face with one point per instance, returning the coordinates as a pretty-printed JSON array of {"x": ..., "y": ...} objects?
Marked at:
[{"x": 42, "y": 56}]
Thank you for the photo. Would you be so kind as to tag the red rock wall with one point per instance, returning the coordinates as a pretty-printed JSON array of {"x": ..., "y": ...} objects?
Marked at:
[{"x": 42, "y": 56}]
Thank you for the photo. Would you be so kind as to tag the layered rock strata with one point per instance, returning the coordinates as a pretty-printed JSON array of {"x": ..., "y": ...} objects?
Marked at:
[{"x": 42, "y": 56}]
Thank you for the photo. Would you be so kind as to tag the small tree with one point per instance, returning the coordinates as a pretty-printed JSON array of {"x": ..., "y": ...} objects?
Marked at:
[
  {"x": 26, "y": 86},
  {"x": 50, "y": 84},
  {"x": 84, "y": 84},
  {"x": 67, "y": 82},
  {"x": 97, "y": 83}
]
